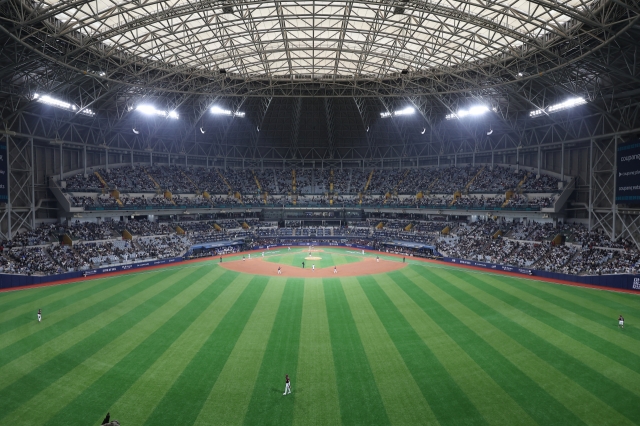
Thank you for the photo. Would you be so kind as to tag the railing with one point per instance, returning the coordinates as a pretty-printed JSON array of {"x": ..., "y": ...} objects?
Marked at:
[{"x": 525, "y": 208}]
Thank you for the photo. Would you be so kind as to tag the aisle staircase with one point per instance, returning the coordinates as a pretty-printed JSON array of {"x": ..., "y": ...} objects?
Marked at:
[
  {"x": 466, "y": 188},
  {"x": 151, "y": 178},
  {"x": 224, "y": 180},
  {"x": 366, "y": 185},
  {"x": 189, "y": 179}
]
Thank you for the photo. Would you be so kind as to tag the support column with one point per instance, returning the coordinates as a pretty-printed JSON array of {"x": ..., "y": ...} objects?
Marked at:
[
  {"x": 106, "y": 159},
  {"x": 562, "y": 165},
  {"x": 61, "y": 162},
  {"x": 84, "y": 158},
  {"x": 131, "y": 158},
  {"x": 539, "y": 159}
]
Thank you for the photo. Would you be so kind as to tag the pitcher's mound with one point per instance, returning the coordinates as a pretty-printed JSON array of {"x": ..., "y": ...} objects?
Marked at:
[{"x": 365, "y": 267}]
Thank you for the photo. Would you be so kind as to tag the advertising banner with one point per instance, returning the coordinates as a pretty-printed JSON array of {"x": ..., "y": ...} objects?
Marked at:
[
  {"x": 4, "y": 172},
  {"x": 628, "y": 173}
]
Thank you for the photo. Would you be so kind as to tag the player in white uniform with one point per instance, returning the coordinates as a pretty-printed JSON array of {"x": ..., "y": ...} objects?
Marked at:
[
  {"x": 377, "y": 259},
  {"x": 335, "y": 270},
  {"x": 39, "y": 315},
  {"x": 620, "y": 321},
  {"x": 279, "y": 271},
  {"x": 287, "y": 385},
  {"x": 313, "y": 267}
]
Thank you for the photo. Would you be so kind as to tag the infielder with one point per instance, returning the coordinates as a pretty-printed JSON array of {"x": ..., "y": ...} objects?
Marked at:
[
  {"x": 279, "y": 271},
  {"x": 313, "y": 267},
  {"x": 335, "y": 270}
]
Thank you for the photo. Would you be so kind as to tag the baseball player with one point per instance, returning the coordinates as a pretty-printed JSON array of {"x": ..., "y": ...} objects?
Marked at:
[
  {"x": 377, "y": 258},
  {"x": 262, "y": 254},
  {"x": 40, "y": 315},
  {"x": 287, "y": 385},
  {"x": 620, "y": 321},
  {"x": 279, "y": 271},
  {"x": 313, "y": 267},
  {"x": 335, "y": 270}
]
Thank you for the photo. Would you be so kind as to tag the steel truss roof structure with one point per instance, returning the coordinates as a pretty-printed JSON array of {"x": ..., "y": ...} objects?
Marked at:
[{"x": 313, "y": 76}]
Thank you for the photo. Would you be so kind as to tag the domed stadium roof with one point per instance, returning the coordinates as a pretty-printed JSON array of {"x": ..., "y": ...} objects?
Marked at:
[
  {"x": 325, "y": 39},
  {"x": 326, "y": 74}
]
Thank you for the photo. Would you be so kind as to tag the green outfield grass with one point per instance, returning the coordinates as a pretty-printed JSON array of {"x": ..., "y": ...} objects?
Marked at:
[
  {"x": 329, "y": 257},
  {"x": 427, "y": 344}
]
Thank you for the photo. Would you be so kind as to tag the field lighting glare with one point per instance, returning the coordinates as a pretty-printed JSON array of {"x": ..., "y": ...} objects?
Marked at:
[
  {"x": 473, "y": 111},
  {"x": 405, "y": 111},
  {"x": 219, "y": 111},
  {"x": 150, "y": 110},
  {"x": 48, "y": 100},
  {"x": 569, "y": 103}
]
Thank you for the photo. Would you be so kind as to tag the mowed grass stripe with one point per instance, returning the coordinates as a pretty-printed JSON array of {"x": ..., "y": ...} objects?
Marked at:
[
  {"x": 550, "y": 330},
  {"x": 485, "y": 376},
  {"x": 45, "y": 374},
  {"x": 508, "y": 319},
  {"x": 21, "y": 296},
  {"x": 89, "y": 389},
  {"x": 502, "y": 368},
  {"x": 267, "y": 405},
  {"x": 31, "y": 333},
  {"x": 229, "y": 399},
  {"x": 137, "y": 403},
  {"x": 596, "y": 311},
  {"x": 447, "y": 400},
  {"x": 39, "y": 298},
  {"x": 315, "y": 390},
  {"x": 403, "y": 401},
  {"x": 622, "y": 302},
  {"x": 23, "y": 356},
  {"x": 573, "y": 321},
  {"x": 184, "y": 400},
  {"x": 570, "y": 404},
  {"x": 360, "y": 402}
]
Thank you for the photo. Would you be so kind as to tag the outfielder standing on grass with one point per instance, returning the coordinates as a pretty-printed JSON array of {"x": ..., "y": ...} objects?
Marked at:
[
  {"x": 287, "y": 384},
  {"x": 620, "y": 321},
  {"x": 40, "y": 315}
]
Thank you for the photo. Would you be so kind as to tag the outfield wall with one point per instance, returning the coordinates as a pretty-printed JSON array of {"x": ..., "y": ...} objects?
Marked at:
[{"x": 622, "y": 281}]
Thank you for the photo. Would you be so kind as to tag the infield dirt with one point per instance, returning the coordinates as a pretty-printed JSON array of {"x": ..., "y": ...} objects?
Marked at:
[{"x": 261, "y": 267}]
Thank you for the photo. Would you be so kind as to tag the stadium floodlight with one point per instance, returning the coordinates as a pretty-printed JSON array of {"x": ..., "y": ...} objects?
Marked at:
[
  {"x": 473, "y": 111},
  {"x": 569, "y": 103},
  {"x": 219, "y": 111},
  {"x": 150, "y": 110},
  {"x": 48, "y": 100},
  {"x": 405, "y": 111}
]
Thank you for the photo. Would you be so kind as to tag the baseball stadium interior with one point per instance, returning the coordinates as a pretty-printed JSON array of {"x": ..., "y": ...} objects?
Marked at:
[{"x": 493, "y": 134}]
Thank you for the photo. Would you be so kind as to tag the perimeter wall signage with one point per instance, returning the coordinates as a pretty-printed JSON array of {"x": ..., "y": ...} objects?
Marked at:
[
  {"x": 4, "y": 172},
  {"x": 628, "y": 173}
]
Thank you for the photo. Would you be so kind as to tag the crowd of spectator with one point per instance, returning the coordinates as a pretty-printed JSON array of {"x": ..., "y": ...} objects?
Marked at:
[
  {"x": 280, "y": 181},
  {"x": 527, "y": 245}
]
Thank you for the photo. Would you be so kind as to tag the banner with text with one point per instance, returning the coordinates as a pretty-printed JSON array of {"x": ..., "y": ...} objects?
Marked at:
[
  {"x": 4, "y": 172},
  {"x": 628, "y": 173}
]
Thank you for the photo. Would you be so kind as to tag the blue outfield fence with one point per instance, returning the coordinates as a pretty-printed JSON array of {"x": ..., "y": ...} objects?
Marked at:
[
  {"x": 10, "y": 281},
  {"x": 622, "y": 281}
]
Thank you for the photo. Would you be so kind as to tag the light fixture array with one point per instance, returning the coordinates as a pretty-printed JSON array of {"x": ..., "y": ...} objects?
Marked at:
[
  {"x": 219, "y": 111},
  {"x": 51, "y": 101},
  {"x": 473, "y": 111},
  {"x": 405, "y": 111},
  {"x": 151, "y": 110},
  {"x": 569, "y": 103}
]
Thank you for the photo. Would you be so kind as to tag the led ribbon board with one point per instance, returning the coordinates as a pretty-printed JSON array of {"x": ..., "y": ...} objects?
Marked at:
[
  {"x": 4, "y": 173},
  {"x": 628, "y": 173}
]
